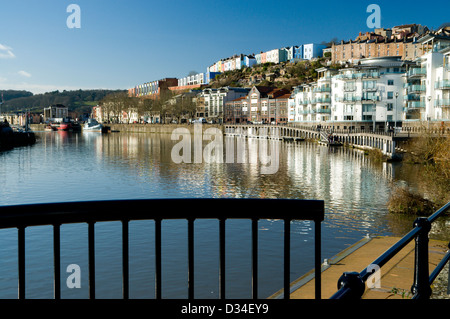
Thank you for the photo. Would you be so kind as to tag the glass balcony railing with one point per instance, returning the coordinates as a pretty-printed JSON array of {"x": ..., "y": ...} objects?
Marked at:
[
  {"x": 415, "y": 104},
  {"x": 322, "y": 89},
  {"x": 412, "y": 97},
  {"x": 348, "y": 98},
  {"x": 442, "y": 85},
  {"x": 327, "y": 111},
  {"x": 417, "y": 72},
  {"x": 415, "y": 88},
  {"x": 442, "y": 103}
]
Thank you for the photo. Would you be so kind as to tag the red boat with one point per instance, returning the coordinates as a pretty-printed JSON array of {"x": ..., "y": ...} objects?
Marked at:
[
  {"x": 64, "y": 127},
  {"x": 69, "y": 126}
]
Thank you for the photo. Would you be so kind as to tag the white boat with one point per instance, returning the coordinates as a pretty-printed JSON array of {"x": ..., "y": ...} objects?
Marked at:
[{"x": 92, "y": 126}]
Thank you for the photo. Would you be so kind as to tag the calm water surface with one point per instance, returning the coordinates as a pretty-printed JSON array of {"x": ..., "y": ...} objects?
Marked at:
[{"x": 64, "y": 167}]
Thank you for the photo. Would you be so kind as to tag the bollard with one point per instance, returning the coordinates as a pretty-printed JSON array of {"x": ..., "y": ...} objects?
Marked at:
[{"x": 421, "y": 288}]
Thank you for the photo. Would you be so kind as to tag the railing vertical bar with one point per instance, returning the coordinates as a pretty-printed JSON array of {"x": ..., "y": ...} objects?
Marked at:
[
  {"x": 21, "y": 257},
  {"x": 222, "y": 257},
  {"x": 57, "y": 260},
  {"x": 191, "y": 258},
  {"x": 255, "y": 258},
  {"x": 287, "y": 258},
  {"x": 317, "y": 259},
  {"x": 158, "y": 259},
  {"x": 91, "y": 244},
  {"x": 125, "y": 259}
]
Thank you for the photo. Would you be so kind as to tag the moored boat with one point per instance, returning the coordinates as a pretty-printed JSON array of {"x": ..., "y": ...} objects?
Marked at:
[{"x": 92, "y": 126}]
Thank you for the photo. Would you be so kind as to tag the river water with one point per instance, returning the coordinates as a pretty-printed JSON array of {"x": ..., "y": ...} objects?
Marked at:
[{"x": 64, "y": 167}]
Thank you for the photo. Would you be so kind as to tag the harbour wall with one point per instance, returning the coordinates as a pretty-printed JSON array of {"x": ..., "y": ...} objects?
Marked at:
[{"x": 143, "y": 128}]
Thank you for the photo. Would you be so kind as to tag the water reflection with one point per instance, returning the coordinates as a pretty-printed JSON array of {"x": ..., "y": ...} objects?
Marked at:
[{"x": 66, "y": 166}]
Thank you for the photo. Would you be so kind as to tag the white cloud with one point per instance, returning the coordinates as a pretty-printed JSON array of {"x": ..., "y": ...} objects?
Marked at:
[
  {"x": 24, "y": 73},
  {"x": 6, "y": 52}
]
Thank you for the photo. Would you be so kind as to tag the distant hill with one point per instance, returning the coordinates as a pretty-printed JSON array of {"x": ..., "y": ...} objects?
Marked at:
[
  {"x": 78, "y": 101},
  {"x": 13, "y": 94}
]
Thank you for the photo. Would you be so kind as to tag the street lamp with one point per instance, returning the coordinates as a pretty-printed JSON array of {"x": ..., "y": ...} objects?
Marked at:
[
  {"x": 374, "y": 111},
  {"x": 428, "y": 113}
]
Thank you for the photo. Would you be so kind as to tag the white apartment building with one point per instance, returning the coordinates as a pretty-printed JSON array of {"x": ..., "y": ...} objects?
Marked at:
[
  {"x": 428, "y": 81},
  {"x": 214, "y": 100},
  {"x": 371, "y": 92},
  {"x": 195, "y": 79}
]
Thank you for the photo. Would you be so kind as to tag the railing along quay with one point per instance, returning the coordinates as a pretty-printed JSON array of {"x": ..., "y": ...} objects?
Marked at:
[
  {"x": 56, "y": 214},
  {"x": 351, "y": 285}
]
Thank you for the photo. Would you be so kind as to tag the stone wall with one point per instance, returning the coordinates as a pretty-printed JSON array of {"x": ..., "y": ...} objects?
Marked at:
[{"x": 143, "y": 128}]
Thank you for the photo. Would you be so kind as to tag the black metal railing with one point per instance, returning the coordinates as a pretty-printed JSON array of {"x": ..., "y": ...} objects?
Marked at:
[
  {"x": 57, "y": 214},
  {"x": 351, "y": 285}
]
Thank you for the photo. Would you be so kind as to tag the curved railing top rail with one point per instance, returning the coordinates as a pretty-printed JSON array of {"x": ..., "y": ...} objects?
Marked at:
[{"x": 348, "y": 285}]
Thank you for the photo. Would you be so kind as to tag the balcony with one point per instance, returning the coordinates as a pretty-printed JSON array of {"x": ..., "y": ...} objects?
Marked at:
[
  {"x": 368, "y": 75},
  {"x": 442, "y": 103},
  {"x": 346, "y": 76},
  {"x": 322, "y": 89},
  {"x": 323, "y": 111},
  {"x": 417, "y": 72},
  {"x": 415, "y": 105},
  {"x": 370, "y": 89},
  {"x": 442, "y": 85},
  {"x": 349, "y": 88},
  {"x": 321, "y": 100},
  {"x": 348, "y": 98},
  {"x": 371, "y": 98},
  {"x": 411, "y": 97},
  {"x": 415, "y": 88}
]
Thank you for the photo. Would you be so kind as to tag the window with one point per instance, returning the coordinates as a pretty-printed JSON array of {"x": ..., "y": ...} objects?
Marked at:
[
  {"x": 390, "y": 95},
  {"x": 390, "y": 82},
  {"x": 389, "y": 106},
  {"x": 368, "y": 108}
]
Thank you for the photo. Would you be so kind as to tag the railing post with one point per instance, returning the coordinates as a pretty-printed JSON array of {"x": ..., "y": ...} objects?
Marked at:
[
  {"x": 421, "y": 288},
  {"x": 354, "y": 283}
]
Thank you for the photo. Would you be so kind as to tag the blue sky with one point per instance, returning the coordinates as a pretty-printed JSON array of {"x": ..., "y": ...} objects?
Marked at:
[{"x": 124, "y": 43}]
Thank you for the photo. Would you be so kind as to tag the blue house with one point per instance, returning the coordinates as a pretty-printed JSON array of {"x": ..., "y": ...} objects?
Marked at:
[{"x": 297, "y": 54}]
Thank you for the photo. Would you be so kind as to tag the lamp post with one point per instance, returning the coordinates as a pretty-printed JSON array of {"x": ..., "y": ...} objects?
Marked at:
[
  {"x": 429, "y": 111},
  {"x": 374, "y": 111}
]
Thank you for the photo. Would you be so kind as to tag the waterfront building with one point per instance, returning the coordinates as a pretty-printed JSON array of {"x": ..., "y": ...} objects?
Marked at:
[
  {"x": 55, "y": 113},
  {"x": 262, "y": 105},
  {"x": 367, "y": 95},
  {"x": 371, "y": 91},
  {"x": 427, "y": 84},
  {"x": 211, "y": 101}
]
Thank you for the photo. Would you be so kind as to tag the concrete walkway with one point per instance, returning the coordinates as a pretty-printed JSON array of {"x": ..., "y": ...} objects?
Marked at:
[{"x": 396, "y": 275}]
